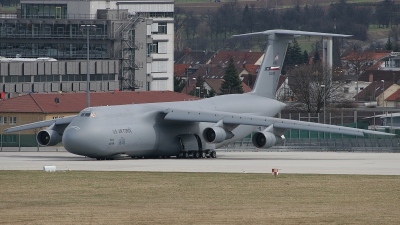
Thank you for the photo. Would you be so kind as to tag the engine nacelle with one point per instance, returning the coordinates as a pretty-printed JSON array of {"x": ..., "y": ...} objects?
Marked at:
[
  {"x": 265, "y": 139},
  {"x": 48, "y": 137},
  {"x": 216, "y": 134}
]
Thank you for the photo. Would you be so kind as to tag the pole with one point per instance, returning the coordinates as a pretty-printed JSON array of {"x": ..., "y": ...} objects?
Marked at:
[
  {"x": 324, "y": 86},
  {"x": 187, "y": 81},
  {"x": 87, "y": 70}
]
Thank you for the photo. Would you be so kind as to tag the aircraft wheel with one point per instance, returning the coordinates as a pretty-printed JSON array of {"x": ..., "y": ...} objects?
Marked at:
[
  {"x": 196, "y": 154},
  {"x": 186, "y": 155},
  {"x": 213, "y": 154},
  {"x": 203, "y": 154}
]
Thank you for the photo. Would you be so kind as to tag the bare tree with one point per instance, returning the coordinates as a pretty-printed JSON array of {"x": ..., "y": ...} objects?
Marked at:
[
  {"x": 312, "y": 86},
  {"x": 359, "y": 61}
]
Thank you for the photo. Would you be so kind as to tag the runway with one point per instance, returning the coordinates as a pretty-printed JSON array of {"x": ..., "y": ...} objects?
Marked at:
[{"x": 226, "y": 162}]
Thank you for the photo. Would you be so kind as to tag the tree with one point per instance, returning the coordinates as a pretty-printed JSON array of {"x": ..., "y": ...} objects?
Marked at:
[
  {"x": 316, "y": 58},
  {"x": 211, "y": 93},
  {"x": 359, "y": 60},
  {"x": 248, "y": 19},
  {"x": 293, "y": 56},
  {"x": 179, "y": 84},
  {"x": 232, "y": 83},
  {"x": 383, "y": 12},
  {"x": 199, "y": 88},
  {"x": 389, "y": 45},
  {"x": 305, "y": 57},
  {"x": 190, "y": 24},
  {"x": 306, "y": 82}
]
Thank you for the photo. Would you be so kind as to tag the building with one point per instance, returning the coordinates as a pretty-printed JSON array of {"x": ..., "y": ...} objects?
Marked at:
[
  {"x": 378, "y": 92},
  {"x": 130, "y": 46},
  {"x": 34, "y": 107}
]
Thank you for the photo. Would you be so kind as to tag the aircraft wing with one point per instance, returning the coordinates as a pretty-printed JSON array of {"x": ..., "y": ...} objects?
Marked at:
[
  {"x": 246, "y": 119},
  {"x": 46, "y": 123}
]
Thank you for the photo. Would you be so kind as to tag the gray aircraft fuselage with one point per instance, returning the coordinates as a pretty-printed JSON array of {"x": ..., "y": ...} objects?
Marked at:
[{"x": 140, "y": 130}]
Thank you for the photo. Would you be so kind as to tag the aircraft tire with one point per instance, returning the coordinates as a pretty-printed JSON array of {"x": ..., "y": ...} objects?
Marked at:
[
  {"x": 185, "y": 155},
  {"x": 213, "y": 154},
  {"x": 203, "y": 155},
  {"x": 196, "y": 154}
]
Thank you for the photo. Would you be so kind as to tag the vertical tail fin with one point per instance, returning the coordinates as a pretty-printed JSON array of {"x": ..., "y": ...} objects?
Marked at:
[{"x": 270, "y": 69}]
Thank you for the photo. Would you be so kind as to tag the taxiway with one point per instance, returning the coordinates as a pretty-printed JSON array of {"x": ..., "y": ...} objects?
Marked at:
[{"x": 227, "y": 162}]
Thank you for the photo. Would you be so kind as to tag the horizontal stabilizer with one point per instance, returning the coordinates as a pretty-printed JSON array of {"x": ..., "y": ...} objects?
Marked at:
[{"x": 292, "y": 32}]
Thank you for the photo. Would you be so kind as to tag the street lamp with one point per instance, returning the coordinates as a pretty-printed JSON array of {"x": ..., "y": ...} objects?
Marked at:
[
  {"x": 383, "y": 93},
  {"x": 87, "y": 26},
  {"x": 323, "y": 86}
]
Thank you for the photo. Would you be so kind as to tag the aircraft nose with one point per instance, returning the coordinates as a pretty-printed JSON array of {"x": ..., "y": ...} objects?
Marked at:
[{"x": 89, "y": 143}]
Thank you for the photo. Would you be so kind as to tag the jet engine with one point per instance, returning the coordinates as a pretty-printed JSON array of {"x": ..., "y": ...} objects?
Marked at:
[
  {"x": 265, "y": 139},
  {"x": 48, "y": 137},
  {"x": 216, "y": 134}
]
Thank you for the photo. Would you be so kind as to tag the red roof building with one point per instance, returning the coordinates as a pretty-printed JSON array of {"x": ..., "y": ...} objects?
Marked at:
[
  {"x": 75, "y": 102},
  {"x": 239, "y": 58}
]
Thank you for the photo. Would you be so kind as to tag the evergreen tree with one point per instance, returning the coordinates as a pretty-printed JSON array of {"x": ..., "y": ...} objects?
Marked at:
[
  {"x": 389, "y": 45},
  {"x": 296, "y": 55},
  {"x": 287, "y": 63},
  {"x": 305, "y": 57},
  {"x": 232, "y": 83},
  {"x": 316, "y": 57},
  {"x": 211, "y": 93}
]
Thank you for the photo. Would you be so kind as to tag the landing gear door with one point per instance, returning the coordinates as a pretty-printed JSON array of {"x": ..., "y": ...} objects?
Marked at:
[
  {"x": 207, "y": 145},
  {"x": 188, "y": 142}
]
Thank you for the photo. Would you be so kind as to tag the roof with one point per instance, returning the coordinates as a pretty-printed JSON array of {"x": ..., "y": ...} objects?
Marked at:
[
  {"x": 216, "y": 72},
  {"x": 180, "y": 69},
  {"x": 374, "y": 89},
  {"x": 239, "y": 58},
  {"x": 216, "y": 85},
  {"x": 75, "y": 102},
  {"x": 378, "y": 75},
  {"x": 253, "y": 69},
  {"x": 366, "y": 56},
  {"x": 281, "y": 81},
  {"x": 394, "y": 97},
  {"x": 195, "y": 57}
]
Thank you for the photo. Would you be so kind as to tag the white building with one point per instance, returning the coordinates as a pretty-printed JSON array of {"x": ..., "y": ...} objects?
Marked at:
[{"x": 130, "y": 46}]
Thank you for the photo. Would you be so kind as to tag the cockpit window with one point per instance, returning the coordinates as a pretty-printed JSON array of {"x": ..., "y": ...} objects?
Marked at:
[{"x": 88, "y": 114}]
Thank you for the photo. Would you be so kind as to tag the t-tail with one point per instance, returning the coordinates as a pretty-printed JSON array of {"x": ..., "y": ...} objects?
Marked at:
[{"x": 270, "y": 69}]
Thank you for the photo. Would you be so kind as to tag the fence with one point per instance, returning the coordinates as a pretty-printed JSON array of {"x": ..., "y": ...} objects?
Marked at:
[
  {"x": 295, "y": 139},
  {"x": 315, "y": 144}
]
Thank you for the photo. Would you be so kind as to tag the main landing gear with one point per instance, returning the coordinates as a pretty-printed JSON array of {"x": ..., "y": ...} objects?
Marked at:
[{"x": 197, "y": 154}]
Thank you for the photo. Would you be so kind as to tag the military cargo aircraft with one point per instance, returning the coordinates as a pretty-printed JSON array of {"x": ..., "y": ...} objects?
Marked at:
[{"x": 190, "y": 128}]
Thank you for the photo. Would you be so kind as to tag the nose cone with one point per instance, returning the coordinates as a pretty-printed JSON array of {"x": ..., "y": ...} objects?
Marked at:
[{"x": 84, "y": 141}]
